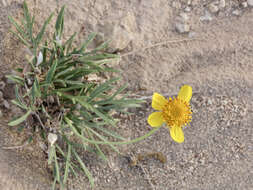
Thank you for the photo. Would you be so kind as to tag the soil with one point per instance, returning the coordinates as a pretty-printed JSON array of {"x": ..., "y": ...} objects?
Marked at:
[{"x": 214, "y": 57}]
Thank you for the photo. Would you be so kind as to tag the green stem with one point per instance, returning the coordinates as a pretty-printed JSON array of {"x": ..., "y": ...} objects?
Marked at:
[{"x": 69, "y": 122}]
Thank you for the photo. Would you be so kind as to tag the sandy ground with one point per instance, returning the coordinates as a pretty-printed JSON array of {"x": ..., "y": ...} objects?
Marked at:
[{"x": 216, "y": 61}]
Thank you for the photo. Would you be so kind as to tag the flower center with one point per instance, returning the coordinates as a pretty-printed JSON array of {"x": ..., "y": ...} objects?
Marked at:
[{"x": 176, "y": 112}]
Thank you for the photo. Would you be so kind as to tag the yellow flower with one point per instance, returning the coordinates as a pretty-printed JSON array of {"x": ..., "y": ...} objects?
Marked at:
[{"x": 174, "y": 112}]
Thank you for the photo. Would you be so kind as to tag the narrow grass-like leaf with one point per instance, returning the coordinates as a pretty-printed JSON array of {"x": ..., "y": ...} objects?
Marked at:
[
  {"x": 59, "y": 23},
  {"x": 42, "y": 31},
  {"x": 57, "y": 169},
  {"x": 86, "y": 43},
  {"x": 103, "y": 139},
  {"x": 17, "y": 26},
  {"x": 51, "y": 155},
  {"x": 51, "y": 72},
  {"x": 102, "y": 88},
  {"x": 20, "y": 120},
  {"x": 16, "y": 79},
  {"x": 86, "y": 171},
  {"x": 25, "y": 42},
  {"x": 110, "y": 133},
  {"x": 66, "y": 172},
  {"x": 28, "y": 20},
  {"x": 69, "y": 42}
]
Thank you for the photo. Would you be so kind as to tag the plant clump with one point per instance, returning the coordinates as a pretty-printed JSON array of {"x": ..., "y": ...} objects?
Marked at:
[{"x": 59, "y": 100}]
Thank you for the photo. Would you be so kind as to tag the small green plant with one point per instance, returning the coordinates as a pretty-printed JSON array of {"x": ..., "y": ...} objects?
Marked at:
[{"x": 70, "y": 111}]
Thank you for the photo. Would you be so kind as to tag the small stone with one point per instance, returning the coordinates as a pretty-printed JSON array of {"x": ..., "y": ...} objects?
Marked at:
[
  {"x": 2, "y": 85},
  {"x": 1, "y": 113},
  {"x": 236, "y": 12},
  {"x": 176, "y": 4},
  {"x": 244, "y": 4},
  {"x": 213, "y": 8},
  {"x": 187, "y": 9},
  {"x": 192, "y": 34},
  {"x": 222, "y": 4},
  {"x": 52, "y": 138},
  {"x": 6, "y": 104},
  {"x": 206, "y": 17},
  {"x": 250, "y": 2},
  {"x": 182, "y": 27}
]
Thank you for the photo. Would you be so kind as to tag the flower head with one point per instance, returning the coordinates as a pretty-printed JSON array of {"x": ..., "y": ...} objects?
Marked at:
[{"x": 175, "y": 112}]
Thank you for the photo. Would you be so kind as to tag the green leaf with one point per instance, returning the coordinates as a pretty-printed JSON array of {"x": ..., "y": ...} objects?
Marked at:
[
  {"x": 86, "y": 171},
  {"x": 25, "y": 42},
  {"x": 69, "y": 42},
  {"x": 87, "y": 42},
  {"x": 35, "y": 89},
  {"x": 67, "y": 165},
  {"x": 42, "y": 31},
  {"x": 60, "y": 22},
  {"x": 57, "y": 169},
  {"x": 103, "y": 139},
  {"x": 16, "y": 79},
  {"x": 102, "y": 88},
  {"x": 17, "y": 26},
  {"x": 51, "y": 72},
  {"x": 51, "y": 154},
  {"x": 20, "y": 120},
  {"x": 100, "y": 152},
  {"x": 28, "y": 20}
]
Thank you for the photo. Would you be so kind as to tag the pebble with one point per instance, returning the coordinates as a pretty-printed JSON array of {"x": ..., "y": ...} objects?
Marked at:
[
  {"x": 1, "y": 113},
  {"x": 244, "y": 4},
  {"x": 187, "y": 9},
  {"x": 6, "y": 104},
  {"x": 250, "y": 2},
  {"x": 222, "y": 4},
  {"x": 236, "y": 12},
  {"x": 206, "y": 17},
  {"x": 2, "y": 85},
  {"x": 213, "y": 8},
  {"x": 176, "y": 4},
  {"x": 182, "y": 27},
  {"x": 52, "y": 138}
]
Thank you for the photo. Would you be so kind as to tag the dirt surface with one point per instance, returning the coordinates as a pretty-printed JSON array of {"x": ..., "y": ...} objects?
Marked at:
[{"x": 214, "y": 57}]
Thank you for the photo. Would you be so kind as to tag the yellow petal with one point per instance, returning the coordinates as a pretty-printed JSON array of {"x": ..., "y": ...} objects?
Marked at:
[
  {"x": 158, "y": 101},
  {"x": 185, "y": 93},
  {"x": 155, "y": 119},
  {"x": 177, "y": 134}
]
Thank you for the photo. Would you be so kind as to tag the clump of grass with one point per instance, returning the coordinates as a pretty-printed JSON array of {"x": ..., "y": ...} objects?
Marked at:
[{"x": 61, "y": 103}]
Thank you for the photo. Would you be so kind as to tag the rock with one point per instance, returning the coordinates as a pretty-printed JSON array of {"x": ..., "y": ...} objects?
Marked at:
[
  {"x": 119, "y": 33},
  {"x": 187, "y": 9},
  {"x": 1, "y": 113},
  {"x": 6, "y": 104},
  {"x": 213, "y": 8},
  {"x": 222, "y": 4},
  {"x": 236, "y": 12},
  {"x": 2, "y": 85},
  {"x": 206, "y": 17},
  {"x": 182, "y": 27},
  {"x": 244, "y": 4},
  {"x": 250, "y": 2},
  {"x": 52, "y": 138},
  {"x": 176, "y": 4}
]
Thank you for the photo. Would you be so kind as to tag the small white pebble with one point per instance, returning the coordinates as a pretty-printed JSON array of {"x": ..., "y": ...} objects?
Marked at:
[{"x": 52, "y": 138}]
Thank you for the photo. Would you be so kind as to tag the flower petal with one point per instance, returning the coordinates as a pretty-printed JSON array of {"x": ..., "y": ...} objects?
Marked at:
[
  {"x": 177, "y": 134},
  {"x": 158, "y": 101},
  {"x": 155, "y": 119},
  {"x": 185, "y": 93}
]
